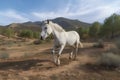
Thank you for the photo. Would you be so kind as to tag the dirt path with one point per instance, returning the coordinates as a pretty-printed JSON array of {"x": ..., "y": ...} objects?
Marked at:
[
  {"x": 41, "y": 65},
  {"x": 66, "y": 64}
]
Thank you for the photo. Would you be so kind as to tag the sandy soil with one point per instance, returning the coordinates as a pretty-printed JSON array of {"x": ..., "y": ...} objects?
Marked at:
[{"x": 34, "y": 62}]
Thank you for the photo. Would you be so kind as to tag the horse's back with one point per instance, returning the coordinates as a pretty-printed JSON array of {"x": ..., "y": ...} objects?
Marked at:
[
  {"x": 73, "y": 33},
  {"x": 72, "y": 37}
]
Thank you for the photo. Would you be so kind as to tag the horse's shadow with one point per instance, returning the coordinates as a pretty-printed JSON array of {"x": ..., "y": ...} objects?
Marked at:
[
  {"x": 28, "y": 64},
  {"x": 22, "y": 65}
]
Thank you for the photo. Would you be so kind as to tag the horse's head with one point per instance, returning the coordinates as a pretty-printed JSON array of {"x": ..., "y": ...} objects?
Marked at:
[{"x": 46, "y": 29}]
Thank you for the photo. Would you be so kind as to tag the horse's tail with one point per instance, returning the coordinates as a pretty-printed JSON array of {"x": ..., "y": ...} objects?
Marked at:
[{"x": 81, "y": 45}]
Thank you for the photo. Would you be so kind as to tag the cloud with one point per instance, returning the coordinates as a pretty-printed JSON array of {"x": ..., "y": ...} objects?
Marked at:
[
  {"x": 96, "y": 10},
  {"x": 45, "y": 15},
  {"x": 11, "y": 16},
  {"x": 85, "y": 10}
]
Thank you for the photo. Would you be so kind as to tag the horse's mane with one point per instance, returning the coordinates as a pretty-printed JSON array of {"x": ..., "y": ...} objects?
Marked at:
[{"x": 57, "y": 27}]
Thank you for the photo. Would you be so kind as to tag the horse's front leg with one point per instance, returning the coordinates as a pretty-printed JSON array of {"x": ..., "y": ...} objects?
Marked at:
[
  {"x": 59, "y": 54},
  {"x": 53, "y": 53}
]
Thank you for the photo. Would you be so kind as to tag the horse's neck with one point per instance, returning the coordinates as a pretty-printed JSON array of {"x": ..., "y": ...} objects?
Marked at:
[{"x": 57, "y": 30}]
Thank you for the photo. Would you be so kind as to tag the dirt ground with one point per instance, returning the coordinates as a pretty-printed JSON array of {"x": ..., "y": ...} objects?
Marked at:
[{"x": 34, "y": 62}]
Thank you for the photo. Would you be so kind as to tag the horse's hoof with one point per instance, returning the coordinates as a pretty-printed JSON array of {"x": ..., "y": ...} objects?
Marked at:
[
  {"x": 57, "y": 64},
  {"x": 70, "y": 58},
  {"x": 75, "y": 59}
]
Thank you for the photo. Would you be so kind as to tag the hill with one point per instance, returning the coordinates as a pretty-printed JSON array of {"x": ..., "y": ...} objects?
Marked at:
[
  {"x": 70, "y": 24},
  {"x": 67, "y": 24},
  {"x": 22, "y": 26}
]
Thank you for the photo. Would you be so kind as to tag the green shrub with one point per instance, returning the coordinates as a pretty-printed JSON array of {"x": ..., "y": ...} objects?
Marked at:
[
  {"x": 4, "y": 55},
  {"x": 29, "y": 34},
  {"x": 36, "y": 34},
  {"x": 8, "y": 32},
  {"x": 26, "y": 34}
]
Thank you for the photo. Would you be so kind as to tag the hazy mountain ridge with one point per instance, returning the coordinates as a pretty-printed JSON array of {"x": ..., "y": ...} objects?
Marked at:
[
  {"x": 66, "y": 23},
  {"x": 70, "y": 24}
]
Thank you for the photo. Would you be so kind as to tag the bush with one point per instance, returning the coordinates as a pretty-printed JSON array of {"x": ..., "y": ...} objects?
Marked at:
[
  {"x": 54, "y": 77},
  {"x": 29, "y": 34},
  {"x": 4, "y": 55},
  {"x": 8, "y": 32},
  {"x": 109, "y": 60},
  {"x": 26, "y": 34},
  {"x": 117, "y": 42},
  {"x": 8, "y": 43},
  {"x": 36, "y": 34},
  {"x": 26, "y": 55},
  {"x": 99, "y": 44}
]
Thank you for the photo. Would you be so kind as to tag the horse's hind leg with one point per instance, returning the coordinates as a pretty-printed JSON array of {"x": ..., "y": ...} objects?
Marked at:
[
  {"x": 71, "y": 54},
  {"x": 76, "y": 50}
]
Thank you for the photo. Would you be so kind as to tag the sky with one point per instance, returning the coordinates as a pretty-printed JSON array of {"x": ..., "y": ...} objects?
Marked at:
[{"x": 18, "y": 11}]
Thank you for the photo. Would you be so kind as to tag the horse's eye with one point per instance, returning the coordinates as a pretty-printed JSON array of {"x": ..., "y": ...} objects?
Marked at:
[{"x": 45, "y": 27}]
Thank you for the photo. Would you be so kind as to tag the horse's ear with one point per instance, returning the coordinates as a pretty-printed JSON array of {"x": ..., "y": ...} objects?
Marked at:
[{"x": 48, "y": 21}]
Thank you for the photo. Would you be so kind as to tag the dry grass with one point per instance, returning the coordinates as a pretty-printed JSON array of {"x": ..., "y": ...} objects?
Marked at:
[
  {"x": 99, "y": 44},
  {"x": 4, "y": 56},
  {"x": 109, "y": 61},
  {"x": 117, "y": 42}
]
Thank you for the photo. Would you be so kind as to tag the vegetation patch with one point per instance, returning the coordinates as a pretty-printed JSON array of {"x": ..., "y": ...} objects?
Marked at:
[
  {"x": 99, "y": 44},
  {"x": 4, "y": 56},
  {"x": 109, "y": 61},
  {"x": 26, "y": 55},
  {"x": 117, "y": 42}
]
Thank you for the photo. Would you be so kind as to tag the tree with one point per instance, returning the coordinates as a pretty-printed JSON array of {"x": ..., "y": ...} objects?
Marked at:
[
  {"x": 80, "y": 31},
  {"x": 111, "y": 26},
  {"x": 94, "y": 29},
  {"x": 83, "y": 32}
]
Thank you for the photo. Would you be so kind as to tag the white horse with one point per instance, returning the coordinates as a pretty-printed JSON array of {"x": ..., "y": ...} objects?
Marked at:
[{"x": 61, "y": 38}]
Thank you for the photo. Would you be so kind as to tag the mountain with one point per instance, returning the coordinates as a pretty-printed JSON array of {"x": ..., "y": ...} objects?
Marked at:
[
  {"x": 27, "y": 25},
  {"x": 70, "y": 24},
  {"x": 67, "y": 24}
]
